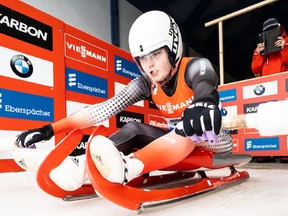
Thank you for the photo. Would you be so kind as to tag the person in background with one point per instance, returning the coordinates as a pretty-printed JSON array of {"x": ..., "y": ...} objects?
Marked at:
[
  {"x": 275, "y": 62},
  {"x": 272, "y": 63}
]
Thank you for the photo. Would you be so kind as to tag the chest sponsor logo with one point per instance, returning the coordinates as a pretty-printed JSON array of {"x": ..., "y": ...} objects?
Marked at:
[
  {"x": 84, "y": 52},
  {"x": 228, "y": 95},
  {"x": 86, "y": 84},
  {"x": 158, "y": 121},
  {"x": 26, "y": 106},
  {"x": 262, "y": 144},
  {"x": 170, "y": 108},
  {"x": 125, "y": 117},
  {"x": 126, "y": 68},
  {"x": 260, "y": 90},
  {"x": 17, "y": 25}
]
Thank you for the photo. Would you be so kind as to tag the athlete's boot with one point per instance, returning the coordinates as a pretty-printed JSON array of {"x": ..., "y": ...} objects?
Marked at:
[
  {"x": 69, "y": 175},
  {"x": 29, "y": 159},
  {"x": 112, "y": 164}
]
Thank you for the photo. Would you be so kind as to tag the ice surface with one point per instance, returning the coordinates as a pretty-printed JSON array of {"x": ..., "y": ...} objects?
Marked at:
[{"x": 265, "y": 193}]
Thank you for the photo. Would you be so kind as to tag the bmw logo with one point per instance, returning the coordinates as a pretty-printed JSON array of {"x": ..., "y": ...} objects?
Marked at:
[
  {"x": 224, "y": 112},
  {"x": 21, "y": 66},
  {"x": 259, "y": 89}
]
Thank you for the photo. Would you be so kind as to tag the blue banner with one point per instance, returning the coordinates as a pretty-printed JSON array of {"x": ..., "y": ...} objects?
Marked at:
[
  {"x": 228, "y": 95},
  {"x": 126, "y": 68},
  {"x": 86, "y": 84},
  {"x": 26, "y": 106},
  {"x": 262, "y": 144}
]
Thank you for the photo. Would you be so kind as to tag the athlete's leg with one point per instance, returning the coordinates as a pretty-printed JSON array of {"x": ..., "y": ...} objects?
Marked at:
[
  {"x": 160, "y": 153},
  {"x": 134, "y": 135},
  {"x": 164, "y": 152}
]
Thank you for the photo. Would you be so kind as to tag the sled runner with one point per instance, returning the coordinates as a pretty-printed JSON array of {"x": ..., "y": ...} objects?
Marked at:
[{"x": 149, "y": 191}]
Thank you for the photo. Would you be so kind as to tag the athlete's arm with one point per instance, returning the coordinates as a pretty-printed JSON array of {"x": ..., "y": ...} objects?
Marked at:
[
  {"x": 137, "y": 90},
  {"x": 202, "y": 79},
  {"x": 201, "y": 120}
]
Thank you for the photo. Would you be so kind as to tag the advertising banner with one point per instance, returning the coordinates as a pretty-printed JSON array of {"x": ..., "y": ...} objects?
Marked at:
[
  {"x": 244, "y": 98},
  {"x": 32, "y": 87}
]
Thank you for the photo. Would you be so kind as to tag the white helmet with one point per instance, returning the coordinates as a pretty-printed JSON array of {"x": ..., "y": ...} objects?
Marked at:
[{"x": 153, "y": 30}]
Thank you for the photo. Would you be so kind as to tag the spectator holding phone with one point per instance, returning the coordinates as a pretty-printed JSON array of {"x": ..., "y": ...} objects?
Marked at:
[
  {"x": 270, "y": 57},
  {"x": 266, "y": 62}
]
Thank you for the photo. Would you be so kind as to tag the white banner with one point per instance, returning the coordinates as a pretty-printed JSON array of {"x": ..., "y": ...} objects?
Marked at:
[
  {"x": 25, "y": 67},
  {"x": 260, "y": 90}
]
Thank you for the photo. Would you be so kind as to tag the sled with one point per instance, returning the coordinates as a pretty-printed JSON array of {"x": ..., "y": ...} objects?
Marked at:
[
  {"x": 54, "y": 159},
  {"x": 179, "y": 183},
  {"x": 172, "y": 184}
]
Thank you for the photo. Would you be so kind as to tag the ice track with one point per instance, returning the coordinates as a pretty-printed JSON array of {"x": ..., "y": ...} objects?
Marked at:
[{"x": 265, "y": 194}]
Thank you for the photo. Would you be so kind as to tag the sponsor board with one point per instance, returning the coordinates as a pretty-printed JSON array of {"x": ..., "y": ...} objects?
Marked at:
[
  {"x": 48, "y": 145},
  {"x": 84, "y": 83},
  {"x": 229, "y": 111},
  {"x": 228, "y": 95},
  {"x": 250, "y": 108},
  {"x": 260, "y": 90},
  {"x": 126, "y": 68},
  {"x": 119, "y": 87},
  {"x": 124, "y": 117},
  {"x": 262, "y": 144},
  {"x": 152, "y": 105},
  {"x": 73, "y": 106},
  {"x": 25, "y": 67},
  {"x": 235, "y": 143},
  {"x": 22, "y": 27},
  {"x": 81, "y": 147},
  {"x": 26, "y": 106},
  {"x": 87, "y": 53}
]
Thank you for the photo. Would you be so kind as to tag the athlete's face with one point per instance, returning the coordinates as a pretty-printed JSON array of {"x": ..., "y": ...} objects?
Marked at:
[{"x": 156, "y": 65}]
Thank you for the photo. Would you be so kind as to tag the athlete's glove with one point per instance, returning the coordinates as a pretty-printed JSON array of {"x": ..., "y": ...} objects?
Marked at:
[
  {"x": 201, "y": 121},
  {"x": 28, "y": 138}
]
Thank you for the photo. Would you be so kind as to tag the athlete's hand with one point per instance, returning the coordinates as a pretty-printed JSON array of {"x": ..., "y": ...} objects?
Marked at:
[
  {"x": 202, "y": 122},
  {"x": 28, "y": 138}
]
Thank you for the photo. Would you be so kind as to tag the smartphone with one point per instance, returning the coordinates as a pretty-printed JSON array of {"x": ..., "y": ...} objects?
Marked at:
[{"x": 261, "y": 40}]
